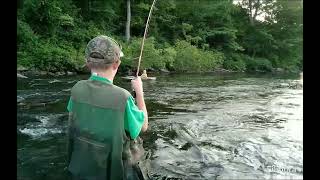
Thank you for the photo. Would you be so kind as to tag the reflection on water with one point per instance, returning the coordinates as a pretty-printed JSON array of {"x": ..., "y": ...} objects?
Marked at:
[{"x": 201, "y": 126}]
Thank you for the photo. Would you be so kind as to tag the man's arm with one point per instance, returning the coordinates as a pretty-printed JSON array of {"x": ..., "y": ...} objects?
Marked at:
[
  {"x": 142, "y": 106},
  {"x": 137, "y": 86},
  {"x": 69, "y": 138}
]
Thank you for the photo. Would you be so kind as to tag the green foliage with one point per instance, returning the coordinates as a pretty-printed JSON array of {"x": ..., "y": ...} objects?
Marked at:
[
  {"x": 25, "y": 58},
  {"x": 208, "y": 23},
  {"x": 26, "y": 41},
  {"x": 260, "y": 42},
  {"x": 188, "y": 57},
  {"x": 258, "y": 64},
  {"x": 26, "y": 38},
  {"x": 211, "y": 60},
  {"x": 139, "y": 16},
  {"x": 235, "y": 62},
  {"x": 279, "y": 38},
  {"x": 165, "y": 25},
  {"x": 184, "y": 35},
  {"x": 168, "y": 56},
  {"x": 191, "y": 59},
  {"x": 151, "y": 55},
  {"x": 50, "y": 57},
  {"x": 288, "y": 32},
  {"x": 43, "y": 16},
  {"x": 66, "y": 20}
]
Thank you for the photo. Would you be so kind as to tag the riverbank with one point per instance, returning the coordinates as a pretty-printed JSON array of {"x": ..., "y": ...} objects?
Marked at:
[{"x": 23, "y": 72}]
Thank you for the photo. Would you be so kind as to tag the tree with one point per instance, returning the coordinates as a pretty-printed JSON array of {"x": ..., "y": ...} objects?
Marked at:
[
  {"x": 128, "y": 21},
  {"x": 288, "y": 31},
  {"x": 219, "y": 26},
  {"x": 254, "y": 8}
]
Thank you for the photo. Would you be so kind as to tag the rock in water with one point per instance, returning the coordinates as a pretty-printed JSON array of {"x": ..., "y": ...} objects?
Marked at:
[
  {"x": 43, "y": 73},
  {"x": 70, "y": 73},
  {"x": 20, "y": 99},
  {"x": 59, "y": 74},
  {"x": 164, "y": 71},
  {"x": 21, "y": 68},
  {"x": 51, "y": 74},
  {"x": 21, "y": 76},
  {"x": 54, "y": 81},
  {"x": 132, "y": 77},
  {"x": 280, "y": 70}
]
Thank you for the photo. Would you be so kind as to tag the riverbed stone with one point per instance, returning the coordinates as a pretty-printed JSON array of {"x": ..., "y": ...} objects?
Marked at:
[
  {"x": 43, "y": 73},
  {"x": 70, "y": 73},
  {"x": 164, "y": 71},
  {"x": 22, "y": 68},
  {"x": 51, "y": 74},
  {"x": 21, "y": 76},
  {"x": 59, "y": 73}
]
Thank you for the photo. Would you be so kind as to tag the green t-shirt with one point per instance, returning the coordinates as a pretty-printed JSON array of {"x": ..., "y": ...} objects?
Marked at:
[{"x": 133, "y": 117}]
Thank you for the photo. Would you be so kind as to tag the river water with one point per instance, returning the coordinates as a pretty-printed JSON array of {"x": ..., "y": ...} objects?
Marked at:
[{"x": 202, "y": 126}]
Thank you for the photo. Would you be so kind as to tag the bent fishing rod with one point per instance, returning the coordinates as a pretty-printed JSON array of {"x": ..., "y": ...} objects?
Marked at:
[
  {"x": 142, "y": 43},
  {"x": 144, "y": 36}
]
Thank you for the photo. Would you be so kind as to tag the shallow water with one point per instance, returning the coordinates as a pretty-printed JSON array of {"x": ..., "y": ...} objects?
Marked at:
[{"x": 207, "y": 126}]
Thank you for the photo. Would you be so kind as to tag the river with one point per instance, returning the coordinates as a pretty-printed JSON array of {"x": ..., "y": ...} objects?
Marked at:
[{"x": 201, "y": 126}]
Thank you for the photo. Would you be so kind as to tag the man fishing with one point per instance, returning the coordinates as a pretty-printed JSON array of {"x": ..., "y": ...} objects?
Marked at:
[{"x": 104, "y": 121}]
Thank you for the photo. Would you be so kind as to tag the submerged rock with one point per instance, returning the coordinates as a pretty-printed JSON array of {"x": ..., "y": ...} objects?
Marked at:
[
  {"x": 59, "y": 73},
  {"x": 43, "y": 73},
  {"x": 278, "y": 70},
  {"x": 54, "y": 81},
  {"x": 221, "y": 70},
  {"x": 21, "y": 76},
  {"x": 51, "y": 74},
  {"x": 71, "y": 73},
  {"x": 20, "y": 99},
  {"x": 164, "y": 71},
  {"x": 22, "y": 68}
]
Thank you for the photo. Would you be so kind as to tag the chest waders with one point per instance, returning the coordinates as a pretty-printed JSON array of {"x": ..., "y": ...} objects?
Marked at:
[{"x": 99, "y": 147}]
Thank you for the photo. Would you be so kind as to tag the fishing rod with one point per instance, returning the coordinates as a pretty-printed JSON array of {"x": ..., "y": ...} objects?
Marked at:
[{"x": 144, "y": 36}]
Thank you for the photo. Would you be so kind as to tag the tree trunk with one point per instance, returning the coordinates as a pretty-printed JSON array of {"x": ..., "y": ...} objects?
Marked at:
[
  {"x": 251, "y": 21},
  {"x": 257, "y": 5},
  {"x": 128, "y": 21},
  {"x": 250, "y": 4},
  {"x": 254, "y": 7}
]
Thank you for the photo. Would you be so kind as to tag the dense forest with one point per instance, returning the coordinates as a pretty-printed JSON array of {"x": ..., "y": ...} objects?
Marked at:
[{"x": 184, "y": 35}]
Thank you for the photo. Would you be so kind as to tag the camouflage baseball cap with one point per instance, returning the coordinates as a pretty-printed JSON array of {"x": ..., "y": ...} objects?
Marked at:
[{"x": 103, "y": 49}]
